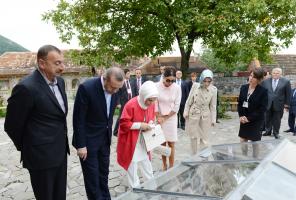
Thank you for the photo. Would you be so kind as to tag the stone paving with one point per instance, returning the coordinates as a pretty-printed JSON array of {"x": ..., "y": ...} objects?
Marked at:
[{"x": 15, "y": 181}]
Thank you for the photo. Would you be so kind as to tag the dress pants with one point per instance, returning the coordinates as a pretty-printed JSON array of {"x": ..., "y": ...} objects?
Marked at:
[
  {"x": 198, "y": 129},
  {"x": 291, "y": 121},
  {"x": 181, "y": 119},
  {"x": 273, "y": 121},
  {"x": 132, "y": 172},
  {"x": 197, "y": 144},
  {"x": 50, "y": 184},
  {"x": 95, "y": 168}
]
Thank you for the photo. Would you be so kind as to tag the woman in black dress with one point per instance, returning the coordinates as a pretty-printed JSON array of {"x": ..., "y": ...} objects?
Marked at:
[{"x": 252, "y": 103}]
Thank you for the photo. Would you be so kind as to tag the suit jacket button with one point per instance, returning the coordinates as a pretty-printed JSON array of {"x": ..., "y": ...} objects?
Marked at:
[{"x": 107, "y": 127}]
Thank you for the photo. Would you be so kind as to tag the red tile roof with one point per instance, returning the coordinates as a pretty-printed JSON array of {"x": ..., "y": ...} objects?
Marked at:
[{"x": 22, "y": 63}]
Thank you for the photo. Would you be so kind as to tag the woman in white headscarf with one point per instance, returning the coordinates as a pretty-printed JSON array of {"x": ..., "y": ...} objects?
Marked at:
[
  {"x": 200, "y": 111},
  {"x": 137, "y": 117}
]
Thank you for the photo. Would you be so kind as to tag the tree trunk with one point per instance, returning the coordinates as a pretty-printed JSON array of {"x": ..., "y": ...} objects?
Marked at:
[
  {"x": 185, "y": 52},
  {"x": 185, "y": 63}
]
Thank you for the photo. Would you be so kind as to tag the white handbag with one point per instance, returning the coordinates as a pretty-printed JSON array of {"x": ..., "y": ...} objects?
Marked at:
[
  {"x": 154, "y": 137},
  {"x": 162, "y": 150}
]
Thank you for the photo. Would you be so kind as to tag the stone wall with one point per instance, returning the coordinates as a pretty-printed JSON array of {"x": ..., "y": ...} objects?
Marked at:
[
  {"x": 231, "y": 85},
  {"x": 286, "y": 62},
  {"x": 225, "y": 85},
  {"x": 71, "y": 83}
]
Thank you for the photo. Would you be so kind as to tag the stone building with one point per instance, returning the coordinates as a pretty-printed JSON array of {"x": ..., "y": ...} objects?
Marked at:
[{"x": 15, "y": 65}]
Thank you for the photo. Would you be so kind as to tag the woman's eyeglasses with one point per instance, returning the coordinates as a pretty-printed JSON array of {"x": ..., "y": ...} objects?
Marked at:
[
  {"x": 207, "y": 81},
  {"x": 170, "y": 81}
]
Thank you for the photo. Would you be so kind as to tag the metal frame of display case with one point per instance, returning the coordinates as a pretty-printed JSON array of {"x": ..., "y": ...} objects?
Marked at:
[
  {"x": 162, "y": 195},
  {"x": 195, "y": 196}
]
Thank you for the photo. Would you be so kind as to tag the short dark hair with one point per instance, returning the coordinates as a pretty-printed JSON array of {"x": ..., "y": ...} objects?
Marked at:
[
  {"x": 265, "y": 72},
  {"x": 193, "y": 74},
  {"x": 44, "y": 50},
  {"x": 258, "y": 73},
  {"x": 126, "y": 71},
  {"x": 169, "y": 71}
]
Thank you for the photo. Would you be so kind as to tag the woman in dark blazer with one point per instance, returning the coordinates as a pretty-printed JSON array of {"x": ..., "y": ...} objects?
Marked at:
[{"x": 252, "y": 104}]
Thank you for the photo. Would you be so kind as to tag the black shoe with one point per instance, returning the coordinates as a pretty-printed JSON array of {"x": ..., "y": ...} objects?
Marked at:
[
  {"x": 294, "y": 134},
  {"x": 217, "y": 121},
  {"x": 277, "y": 136},
  {"x": 266, "y": 134},
  {"x": 183, "y": 127},
  {"x": 289, "y": 130}
]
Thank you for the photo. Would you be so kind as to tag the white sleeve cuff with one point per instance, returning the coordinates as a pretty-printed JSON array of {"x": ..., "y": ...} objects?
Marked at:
[{"x": 136, "y": 126}]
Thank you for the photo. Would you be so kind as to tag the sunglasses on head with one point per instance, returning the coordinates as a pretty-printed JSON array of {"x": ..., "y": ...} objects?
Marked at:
[{"x": 170, "y": 81}]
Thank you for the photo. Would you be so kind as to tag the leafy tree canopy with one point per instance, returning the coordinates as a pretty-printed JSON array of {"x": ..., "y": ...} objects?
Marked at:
[
  {"x": 117, "y": 29},
  {"x": 210, "y": 58}
]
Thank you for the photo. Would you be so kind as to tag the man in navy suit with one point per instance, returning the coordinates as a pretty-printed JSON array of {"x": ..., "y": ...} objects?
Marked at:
[
  {"x": 292, "y": 112},
  {"x": 92, "y": 124},
  {"x": 185, "y": 93},
  {"x": 36, "y": 123},
  {"x": 137, "y": 82}
]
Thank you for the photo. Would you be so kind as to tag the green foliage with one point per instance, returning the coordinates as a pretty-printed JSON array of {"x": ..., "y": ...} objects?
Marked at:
[
  {"x": 116, "y": 112},
  {"x": 218, "y": 65},
  {"x": 7, "y": 45},
  {"x": 2, "y": 112},
  {"x": 222, "y": 109},
  {"x": 115, "y": 30}
]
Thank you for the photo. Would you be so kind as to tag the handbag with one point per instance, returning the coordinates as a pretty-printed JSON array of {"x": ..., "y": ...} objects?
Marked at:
[
  {"x": 154, "y": 137},
  {"x": 162, "y": 150}
]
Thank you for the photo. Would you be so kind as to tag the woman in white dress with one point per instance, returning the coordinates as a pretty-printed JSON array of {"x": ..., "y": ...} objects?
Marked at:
[
  {"x": 200, "y": 111},
  {"x": 167, "y": 108}
]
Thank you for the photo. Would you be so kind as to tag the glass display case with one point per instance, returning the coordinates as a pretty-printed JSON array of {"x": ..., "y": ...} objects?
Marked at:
[
  {"x": 273, "y": 179},
  {"x": 203, "y": 179},
  {"x": 256, "y": 170},
  {"x": 241, "y": 152}
]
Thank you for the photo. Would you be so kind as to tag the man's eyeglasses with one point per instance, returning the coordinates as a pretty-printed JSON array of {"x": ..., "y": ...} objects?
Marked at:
[{"x": 170, "y": 81}]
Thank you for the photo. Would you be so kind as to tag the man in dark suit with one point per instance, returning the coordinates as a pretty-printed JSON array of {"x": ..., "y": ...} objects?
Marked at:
[
  {"x": 185, "y": 93},
  {"x": 279, "y": 94},
  {"x": 292, "y": 112},
  {"x": 125, "y": 94},
  {"x": 36, "y": 123},
  {"x": 94, "y": 107},
  {"x": 193, "y": 79},
  {"x": 137, "y": 82},
  {"x": 160, "y": 76}
]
